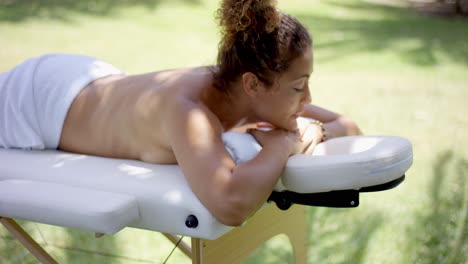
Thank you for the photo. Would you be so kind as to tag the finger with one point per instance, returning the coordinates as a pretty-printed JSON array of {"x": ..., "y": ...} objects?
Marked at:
[
  {"x": 256, "y": 133},
  {"x": 307, "y": 144},
  {"x": 264, "y": 125},
  {"x": 310, "y": 149},
  {"x": 308, "y": 134},
  {"x": 302, "y": 127}
]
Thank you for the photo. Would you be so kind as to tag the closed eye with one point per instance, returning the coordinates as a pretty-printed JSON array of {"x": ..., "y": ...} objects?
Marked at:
[{"x": 298, "y": 89}]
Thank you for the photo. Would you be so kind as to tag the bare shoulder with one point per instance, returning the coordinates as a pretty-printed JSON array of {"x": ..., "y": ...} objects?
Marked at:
[
  {"x": 194, "y": 134},
  {"x": 191, "y": 122},
  {"x": 185, "y": 113}
]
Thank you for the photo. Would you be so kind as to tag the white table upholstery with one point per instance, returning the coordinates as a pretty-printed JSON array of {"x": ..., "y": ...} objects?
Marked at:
[
  {"x": 105, "y": 195},
  {"x": 164, "y": 198},
  {"x": 59, "y": 204}
]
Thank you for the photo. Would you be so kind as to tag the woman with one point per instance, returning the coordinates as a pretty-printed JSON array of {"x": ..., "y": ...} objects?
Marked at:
[{"x": 80, "y": 104}]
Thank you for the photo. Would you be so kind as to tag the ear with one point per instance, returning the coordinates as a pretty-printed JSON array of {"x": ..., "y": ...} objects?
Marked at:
[{"x": 250, "y": 84}]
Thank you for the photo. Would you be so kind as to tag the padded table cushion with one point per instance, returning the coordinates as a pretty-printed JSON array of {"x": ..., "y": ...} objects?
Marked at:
[
  {"x": 343, "y": 163},
  {"x": 164, "y": 199},
  {"x": 63, "y": 205}
]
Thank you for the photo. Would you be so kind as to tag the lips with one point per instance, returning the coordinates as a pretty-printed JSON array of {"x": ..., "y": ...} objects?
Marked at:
[{"x": 298, "y": 114}]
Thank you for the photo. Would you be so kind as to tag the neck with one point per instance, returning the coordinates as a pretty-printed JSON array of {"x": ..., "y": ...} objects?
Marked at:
[{"x": 231, "y": 108}]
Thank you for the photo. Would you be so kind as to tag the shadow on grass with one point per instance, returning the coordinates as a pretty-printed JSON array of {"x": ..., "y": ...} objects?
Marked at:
[
  {"x": 83, "y": 247},
  {"x": 20, "y": 10},
  {"x": 276, "y": 250},
  {"x": 65, "y": 245},
  {"x": 415, "y": 38},
  {"x": 440, "y": 232},
  {"x": 11, "y": 250},
  {"x": 328, "y": 243},
  {"x": 74, "y": 246}
]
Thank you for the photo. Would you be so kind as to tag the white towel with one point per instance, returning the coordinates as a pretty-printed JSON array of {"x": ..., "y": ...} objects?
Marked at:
[
  {"x": 243, "y": 146},
  {"x": 35, "y": 97}
]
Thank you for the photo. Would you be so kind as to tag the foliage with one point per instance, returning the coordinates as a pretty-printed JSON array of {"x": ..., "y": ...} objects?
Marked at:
[{"x": 392, "y": 70}]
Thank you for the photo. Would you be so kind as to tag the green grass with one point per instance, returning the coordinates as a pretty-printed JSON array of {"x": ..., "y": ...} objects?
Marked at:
[{"x": 393, "y": 71}]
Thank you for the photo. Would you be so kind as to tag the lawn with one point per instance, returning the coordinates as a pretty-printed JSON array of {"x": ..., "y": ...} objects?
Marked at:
[{"x": 392, "y": 70}]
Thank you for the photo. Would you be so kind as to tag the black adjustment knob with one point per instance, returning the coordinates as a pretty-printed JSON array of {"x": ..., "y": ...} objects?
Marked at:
[
  {"x": 191, "y": 221},
  {"x": 283, "y": 203}
]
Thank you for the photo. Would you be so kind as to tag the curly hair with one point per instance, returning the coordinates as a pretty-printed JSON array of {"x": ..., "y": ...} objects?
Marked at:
[{"x": 256, "y": 38}]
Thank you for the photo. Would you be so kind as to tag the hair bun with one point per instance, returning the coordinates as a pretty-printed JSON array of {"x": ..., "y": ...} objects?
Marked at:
[{"x": 246, "y": 18}]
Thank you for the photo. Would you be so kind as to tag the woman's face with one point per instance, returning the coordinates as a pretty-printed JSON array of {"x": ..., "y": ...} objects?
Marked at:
[{"x": 282, "y": 103}]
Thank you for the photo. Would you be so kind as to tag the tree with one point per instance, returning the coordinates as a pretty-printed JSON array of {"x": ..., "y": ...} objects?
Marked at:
[{"x": 452, "y": 7}]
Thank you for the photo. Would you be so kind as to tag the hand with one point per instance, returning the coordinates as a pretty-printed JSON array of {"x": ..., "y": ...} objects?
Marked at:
[
  {"x": 278, "y": 138},
  {"x": 311, "y": 134}
]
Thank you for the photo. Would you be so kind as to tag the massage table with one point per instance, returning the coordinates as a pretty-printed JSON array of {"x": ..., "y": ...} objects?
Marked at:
[{"x": 105, "y": 195}]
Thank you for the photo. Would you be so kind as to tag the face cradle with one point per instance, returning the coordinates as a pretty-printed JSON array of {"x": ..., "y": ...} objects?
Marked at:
[{"x": 282, "y": 103}]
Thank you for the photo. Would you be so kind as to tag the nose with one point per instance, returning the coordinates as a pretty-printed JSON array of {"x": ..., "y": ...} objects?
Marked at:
[{"x": 307, "y": 97}]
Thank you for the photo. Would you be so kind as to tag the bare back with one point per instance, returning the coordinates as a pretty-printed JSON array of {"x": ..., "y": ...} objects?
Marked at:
[{"x": 127, "y": 116}]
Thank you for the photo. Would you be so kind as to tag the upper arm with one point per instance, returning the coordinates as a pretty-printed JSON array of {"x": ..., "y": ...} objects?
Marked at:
[
  {"x": 230, "y": 192},
  {"x": 195, "y": 137}
]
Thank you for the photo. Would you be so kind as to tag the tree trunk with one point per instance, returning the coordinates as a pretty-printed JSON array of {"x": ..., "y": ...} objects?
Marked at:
[{"x": 462, "y": 6}]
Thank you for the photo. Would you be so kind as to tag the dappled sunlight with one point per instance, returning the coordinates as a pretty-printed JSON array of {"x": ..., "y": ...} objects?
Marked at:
[
  {"x": 62, "y": 159},
  {"x": 395, "y": 31},
  {"x": 439, "y": 234},
  {"x": 335, "y": 239},
  {"x": 173, "y": 197},
  {"x": 139, "y": 172},
  {"x": 390, "y": 69},
  {"x": 277, "y": 249},
  {"x": 198, "y": 121},
  {"x": 16, "y": 252},
  {"x": 19, "y": 10}
]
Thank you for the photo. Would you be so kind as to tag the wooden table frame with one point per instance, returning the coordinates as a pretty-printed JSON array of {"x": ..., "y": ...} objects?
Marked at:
[{"x": 233, "y": 247}]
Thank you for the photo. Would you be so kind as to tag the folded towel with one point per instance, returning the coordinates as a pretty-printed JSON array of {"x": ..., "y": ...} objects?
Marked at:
[{"x": 243, "y": 147}]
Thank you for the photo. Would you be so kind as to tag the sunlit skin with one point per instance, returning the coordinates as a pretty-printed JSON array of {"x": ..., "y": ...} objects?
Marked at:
[
  {"x": 282, "y": 103},
  {"x": 177, "y": 116}
]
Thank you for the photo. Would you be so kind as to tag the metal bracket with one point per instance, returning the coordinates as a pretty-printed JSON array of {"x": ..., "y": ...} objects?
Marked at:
[{"x": 337, "y": 199}]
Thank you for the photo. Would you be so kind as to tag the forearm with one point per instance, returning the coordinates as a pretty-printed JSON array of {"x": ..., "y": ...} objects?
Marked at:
[
  {"x": 336, "y": 125},
  {"x": 254, "y": 180},
  {"x": 342, "y": 126}
]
